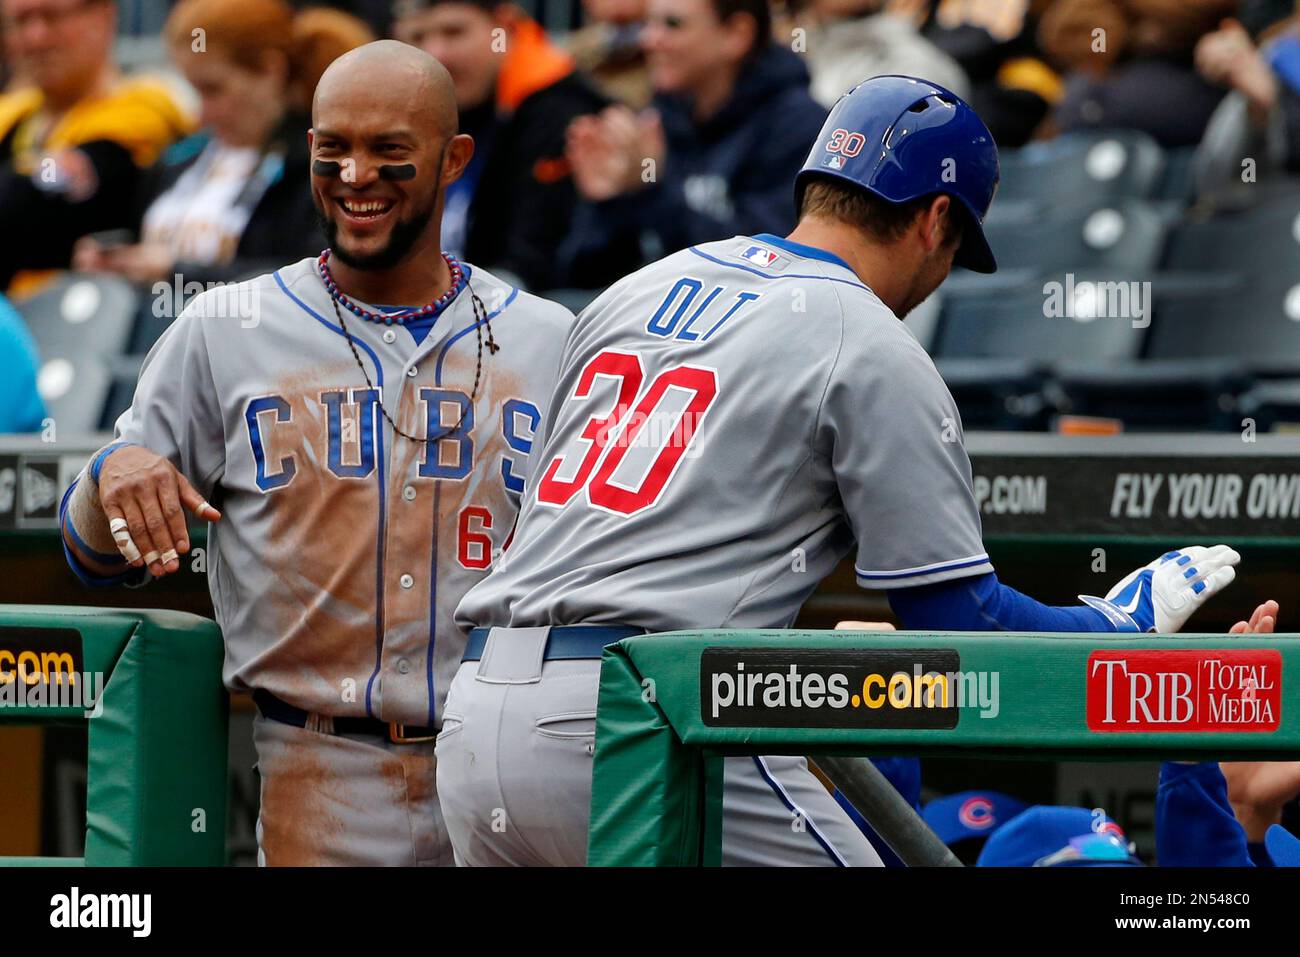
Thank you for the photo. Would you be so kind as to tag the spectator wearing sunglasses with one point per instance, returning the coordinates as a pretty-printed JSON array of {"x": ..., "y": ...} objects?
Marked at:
[{"x": 731, "y": 123}]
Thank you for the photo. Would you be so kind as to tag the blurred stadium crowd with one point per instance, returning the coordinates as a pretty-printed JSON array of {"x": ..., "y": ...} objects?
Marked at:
[{"x": 1146, "y": 226}]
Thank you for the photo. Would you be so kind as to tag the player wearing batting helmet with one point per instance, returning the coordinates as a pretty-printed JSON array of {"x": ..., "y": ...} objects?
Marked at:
[
  {"x": 362, "y": 421},
  {"x": 729, "y": 421}
]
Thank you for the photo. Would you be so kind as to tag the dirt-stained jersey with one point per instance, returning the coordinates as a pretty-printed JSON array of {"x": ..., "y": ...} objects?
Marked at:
[{"x": 344, "y": 549}]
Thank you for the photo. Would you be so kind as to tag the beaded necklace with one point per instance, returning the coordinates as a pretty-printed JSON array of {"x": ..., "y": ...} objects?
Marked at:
[{"x": 459, "y": 281}]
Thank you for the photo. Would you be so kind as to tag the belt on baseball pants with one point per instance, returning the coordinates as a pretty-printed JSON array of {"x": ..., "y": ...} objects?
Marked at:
[
  {"x": 276, "y": 709},
  {"x": 564, "y": 642}
]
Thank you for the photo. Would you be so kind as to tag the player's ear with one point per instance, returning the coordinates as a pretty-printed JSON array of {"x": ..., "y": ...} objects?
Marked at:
[
  {"x": 460, "y": 149},
  {"x": 934, "y": 223}
]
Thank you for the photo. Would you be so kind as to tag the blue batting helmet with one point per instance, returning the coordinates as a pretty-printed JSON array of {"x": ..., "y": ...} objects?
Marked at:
[{"x": 904, "y": 138}]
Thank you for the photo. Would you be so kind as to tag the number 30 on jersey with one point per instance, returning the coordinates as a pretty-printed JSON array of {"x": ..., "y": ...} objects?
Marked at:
[{"x": 627, "y": 453}]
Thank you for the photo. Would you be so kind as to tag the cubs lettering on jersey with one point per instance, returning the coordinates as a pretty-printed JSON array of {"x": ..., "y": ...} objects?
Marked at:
[{"x": 344, "y": 548}]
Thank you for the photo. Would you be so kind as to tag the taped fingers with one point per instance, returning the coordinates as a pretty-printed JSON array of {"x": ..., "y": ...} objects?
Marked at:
[
  {"x": 196, "y": 503},
  {"x": 117, "y": 525},
  {"x": 138, "y": 531},
  {"x": 151, "y": 505},
  {"x": 174, "y": 515}
]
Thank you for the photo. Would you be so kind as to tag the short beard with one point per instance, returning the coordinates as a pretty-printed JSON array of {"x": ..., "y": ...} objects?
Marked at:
[{"x": 400, "y": 240}]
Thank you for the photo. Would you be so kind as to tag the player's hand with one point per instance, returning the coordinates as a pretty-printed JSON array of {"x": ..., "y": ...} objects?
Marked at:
[
  {"x": 1262, "y": 622},
  {"x": 1258, "y": 790},
  {"x": 144, "y": 498},
  {"x": 1161, "y": 596},
  {"x": 864, "y": 626}
]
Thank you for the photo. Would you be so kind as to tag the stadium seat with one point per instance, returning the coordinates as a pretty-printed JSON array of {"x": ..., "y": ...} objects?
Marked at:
[
  {"x": 1169, "y": 395},
  {"x": 1001, "y": 394},
  {"x": 147, "y": 328},
  {"x": 1257, "y": 323},
  {"x": 1262, "y": 241},
  {"x": 1178, "y": 184},
  {"x": 1274, "y": 406},
  {"x": 1128, "y": 236},
  {"x": 1083, "y": 169},
  {"x": 81, "y": 314},
  {"x": 1025, "y": 323},
  {"x": 124, "y": 372},
  {"x": 74, "y": 388}
]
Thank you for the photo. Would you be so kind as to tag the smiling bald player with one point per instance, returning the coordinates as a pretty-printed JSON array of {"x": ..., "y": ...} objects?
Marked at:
[{"x": 361, "y": 426}]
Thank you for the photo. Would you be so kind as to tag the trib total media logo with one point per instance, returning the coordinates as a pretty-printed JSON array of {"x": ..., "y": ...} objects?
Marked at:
[{"x": 1185, "y": 690}]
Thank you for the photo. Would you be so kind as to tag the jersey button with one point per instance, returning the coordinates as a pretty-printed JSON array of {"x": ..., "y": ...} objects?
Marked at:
[
  {"x": 412, "y": 372},
  {"x": 390, "y": 335},
  {"x": 407, "y": 581},
  {"x": 408, "y": 493},
  {"x": 403, "y": 666}
]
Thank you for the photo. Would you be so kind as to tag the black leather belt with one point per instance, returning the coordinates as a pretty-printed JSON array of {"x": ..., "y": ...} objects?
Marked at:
[
  {"x": 394, "y": 731},
  {"x": 565, "y": 642}
]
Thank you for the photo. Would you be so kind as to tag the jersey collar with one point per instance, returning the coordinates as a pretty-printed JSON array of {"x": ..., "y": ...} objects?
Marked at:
[{"x": 799, "y": 249}]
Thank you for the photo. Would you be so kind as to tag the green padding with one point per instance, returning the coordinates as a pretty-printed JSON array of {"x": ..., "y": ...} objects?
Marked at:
[
  {"x": 648, "y": 804},
  {"x": 42, "y": 862},
  {"x": 156, "y": 772},
  {"x": 653, "y": 818},
  {"x": 1041, "y": 696},
  {"x": 104, "y": 634}
]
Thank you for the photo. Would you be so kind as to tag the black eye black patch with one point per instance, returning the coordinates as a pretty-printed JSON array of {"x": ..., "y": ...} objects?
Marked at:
[
  {"x": 397, "y": 172},
  {"x": 325, "y": 168}
]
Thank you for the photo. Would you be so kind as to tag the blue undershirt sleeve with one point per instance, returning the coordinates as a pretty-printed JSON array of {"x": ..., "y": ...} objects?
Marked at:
[{"x": 982, "y": 603}]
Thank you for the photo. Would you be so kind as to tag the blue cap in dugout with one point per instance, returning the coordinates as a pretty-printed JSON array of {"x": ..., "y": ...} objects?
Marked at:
[
  {"x": 903, "y": 138},
  {"x": 1053, "y": 836},
  {"x": 970, "y": 814}
]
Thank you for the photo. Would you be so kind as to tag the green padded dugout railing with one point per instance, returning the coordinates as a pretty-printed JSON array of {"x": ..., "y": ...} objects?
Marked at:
[
  {"x": 671, "y": 704},
  {"x": 156, "y": 766}
]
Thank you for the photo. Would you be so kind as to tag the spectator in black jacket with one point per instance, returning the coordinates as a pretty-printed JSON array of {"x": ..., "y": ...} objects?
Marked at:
[
  {"x": 516, "y": 93},
  {"x": 234, "y": 201},
  {"x": 732, "y": 124}
]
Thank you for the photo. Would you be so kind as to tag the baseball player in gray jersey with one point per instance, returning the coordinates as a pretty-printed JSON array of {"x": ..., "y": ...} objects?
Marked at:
[
  {"x": 729, "y": 421},
  {"x": 366, "y": 458}
]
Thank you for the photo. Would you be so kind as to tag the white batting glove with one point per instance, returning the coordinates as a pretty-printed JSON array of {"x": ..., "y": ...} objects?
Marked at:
[{"x": 1163, "y": 595}]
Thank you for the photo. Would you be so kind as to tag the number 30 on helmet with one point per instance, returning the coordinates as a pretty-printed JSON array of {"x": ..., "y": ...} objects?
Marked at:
[{"x": 902, "y": 138}]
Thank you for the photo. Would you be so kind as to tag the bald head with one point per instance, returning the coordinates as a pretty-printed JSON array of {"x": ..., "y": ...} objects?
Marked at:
[
  {"x": 384, "y": 148},
  {"x": 394, "y": 79}
]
